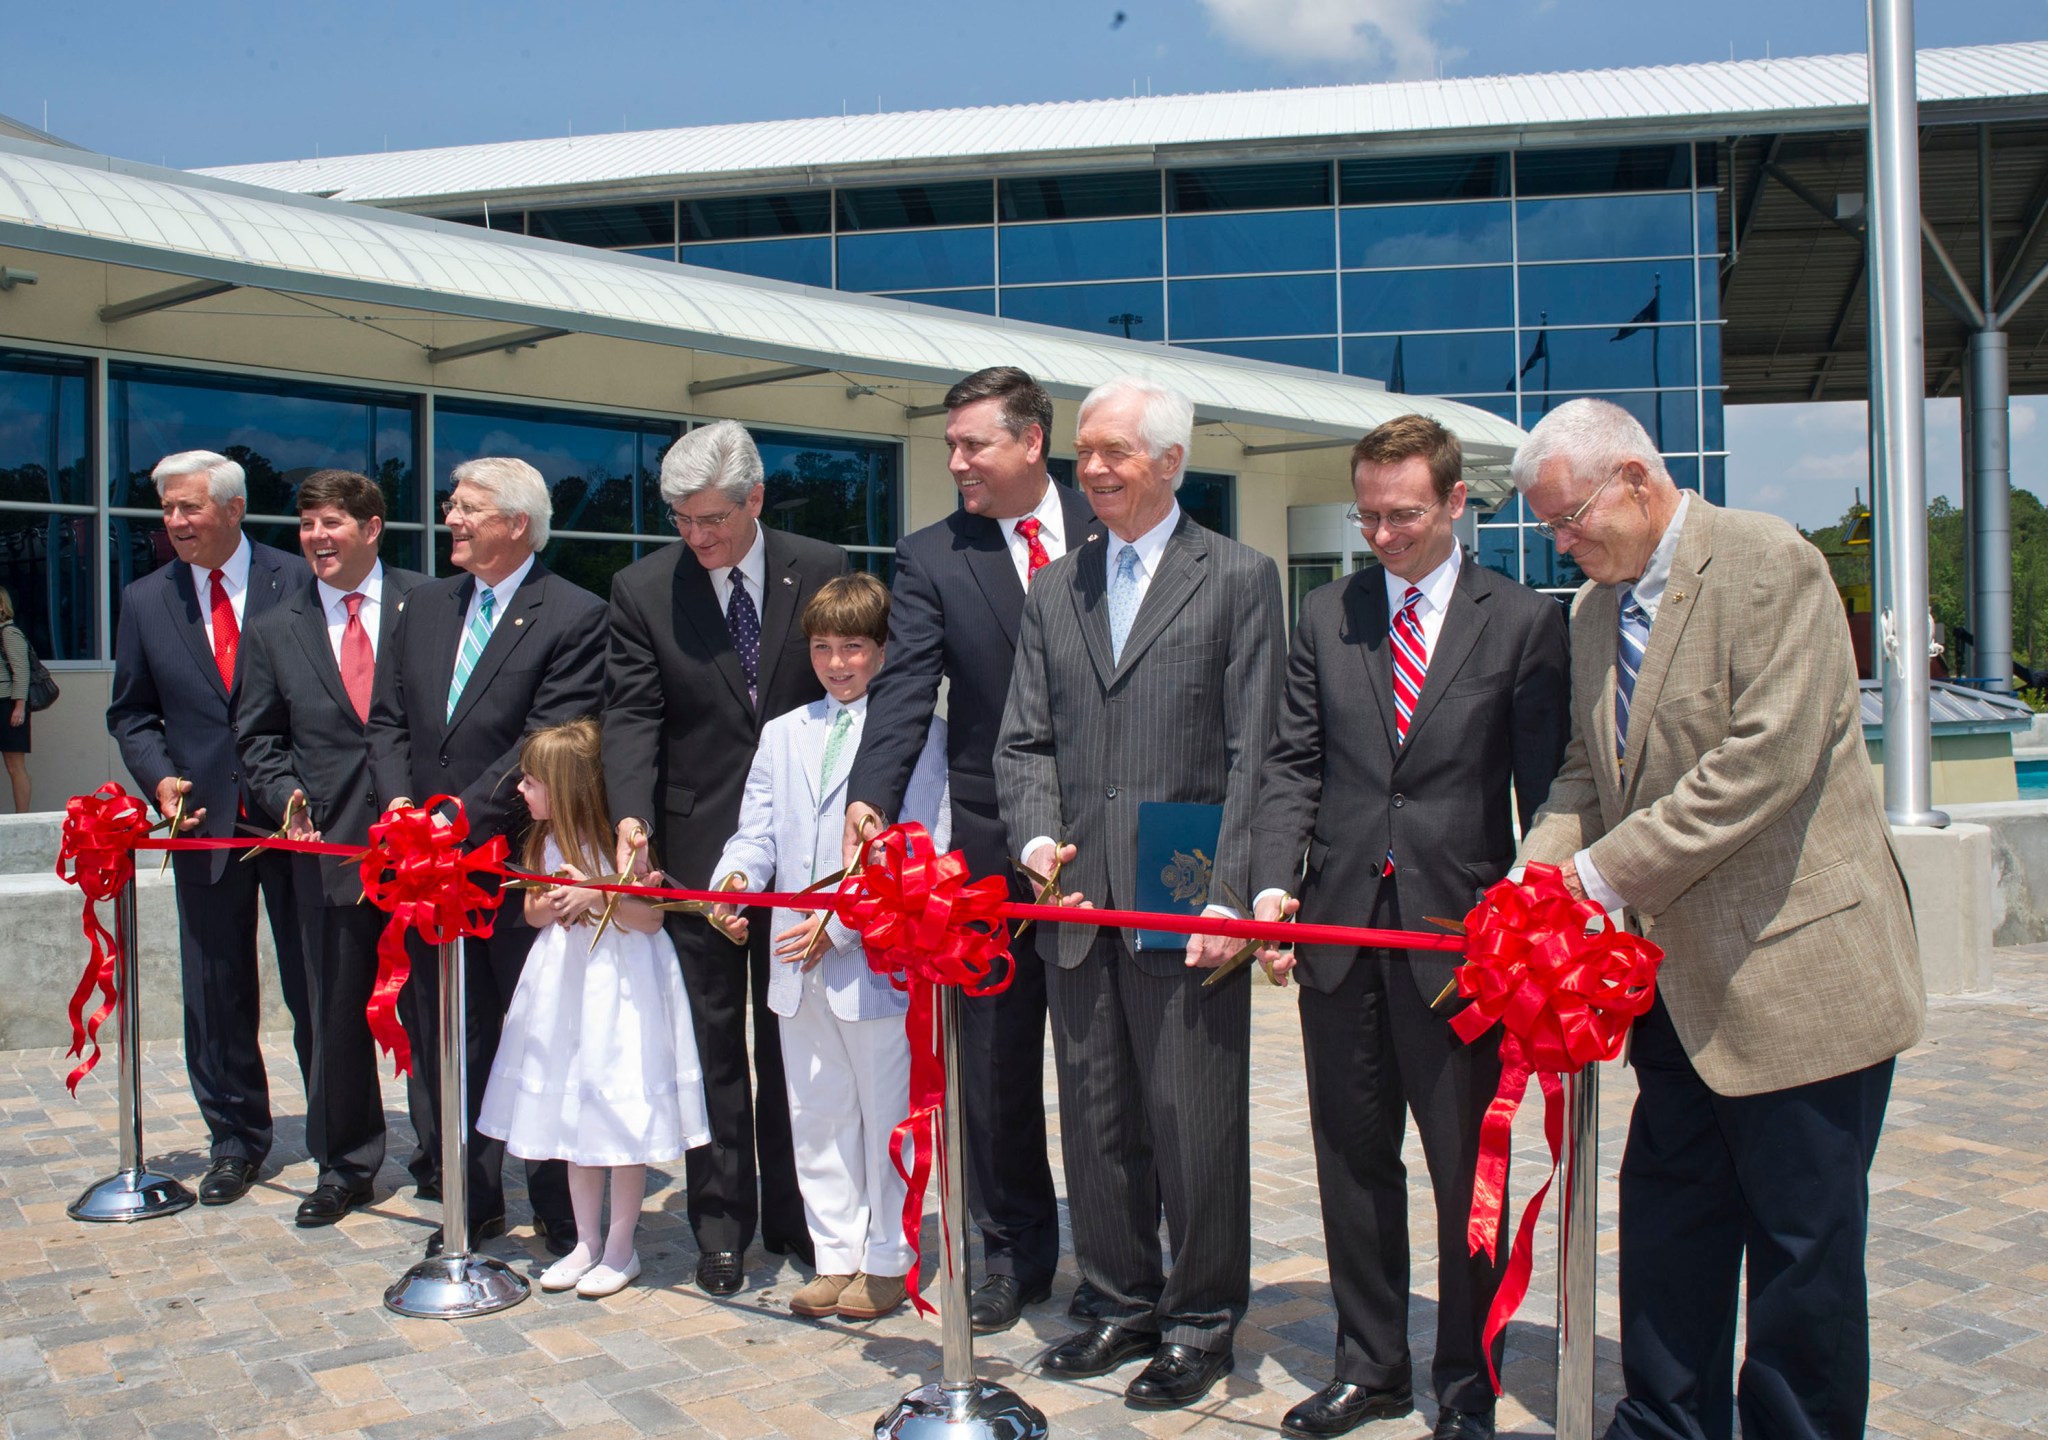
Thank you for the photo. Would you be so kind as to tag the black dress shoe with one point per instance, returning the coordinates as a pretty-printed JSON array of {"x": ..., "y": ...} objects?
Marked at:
[
  {"x": 998, "y": 1300},
  {"x": 719, "y": 1273},
  {"x": 328, "y": 1203},
  {"x": 797, "y": 1249},
  {"x": 557, "y": 1237},
  {"x": 1087, "y": 1303},
  {"x": 427, "y": 1190},
  {"x": 1340, "y": 1407},
  {"x": 1178, "y": 1375},
  {"x": 1098, "y": 1350},
  {"x": 1463, "y": 1425},
  {"x": 227, "y": 1180},
  {"x": 488, "y": 1228}
]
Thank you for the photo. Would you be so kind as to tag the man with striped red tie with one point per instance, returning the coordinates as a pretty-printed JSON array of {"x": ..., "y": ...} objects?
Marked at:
[{"x": 1419, "y": 692}]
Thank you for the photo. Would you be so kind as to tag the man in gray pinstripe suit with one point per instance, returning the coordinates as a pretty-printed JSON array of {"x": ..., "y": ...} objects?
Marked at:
[{"x": 1147, "y": 669}]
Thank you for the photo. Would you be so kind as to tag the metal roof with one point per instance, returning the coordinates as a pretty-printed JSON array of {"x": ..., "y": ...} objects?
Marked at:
[
  {"x": 1952, "y": 709},
  {"x": 95, "y": 208},
  {"x": 1814, "y": 92}
]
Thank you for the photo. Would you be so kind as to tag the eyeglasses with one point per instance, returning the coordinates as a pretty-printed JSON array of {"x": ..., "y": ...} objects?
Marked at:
[
  {"x": 463, "y": 510},
  {"x": 686, "y": 523},
  {"x": 1548, "y": 528},
  {"x": 1370, "y": 520}
]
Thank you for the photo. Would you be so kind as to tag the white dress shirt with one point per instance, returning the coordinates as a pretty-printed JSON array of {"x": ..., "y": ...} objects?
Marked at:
[
  {"x": 1436, "y": 589},
  {"x": 1052, "y": 533},
  {"x": 753, "y": 569},
  {"x": 334, "y": 604},
  {"x": 501, "y": 597},
  {"x": 234, "y": 577},
  {"x": 1151, "y": 548},
  {"x": 1650, "y": 589}
]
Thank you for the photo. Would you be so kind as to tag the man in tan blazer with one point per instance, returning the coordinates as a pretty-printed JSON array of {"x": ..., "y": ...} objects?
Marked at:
[{"x": 1716, "y": 789}]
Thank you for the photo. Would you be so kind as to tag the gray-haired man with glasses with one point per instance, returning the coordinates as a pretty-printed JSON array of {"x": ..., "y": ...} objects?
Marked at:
[
  {"x": 704, "y": 648},
  {"x": 1419, "y": 692}
]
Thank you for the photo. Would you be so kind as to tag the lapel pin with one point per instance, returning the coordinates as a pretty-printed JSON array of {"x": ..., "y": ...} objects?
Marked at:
[
  {"x": 1676, "y": 596},
  {"x": 518, "y": 620},
  {"x": 401, "y": 607},
  {"x": 787, "y": 581}
]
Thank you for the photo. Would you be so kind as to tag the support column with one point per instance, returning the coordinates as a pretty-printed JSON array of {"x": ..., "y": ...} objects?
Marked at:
[{"x": 1990, "y": 509}]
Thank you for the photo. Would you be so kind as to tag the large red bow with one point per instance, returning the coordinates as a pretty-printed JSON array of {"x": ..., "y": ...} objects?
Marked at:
[
  {"x": 416, "y": 870},
  {"x": 1564, "y": 983},
  {"x": 923, "y": 923},
  {"x": 98, "y": 847}
]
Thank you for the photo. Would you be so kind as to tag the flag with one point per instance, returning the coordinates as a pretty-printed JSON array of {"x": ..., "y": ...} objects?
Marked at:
[
  {"x": 1540, "y": 351},
  {"x": 1645, "y": 316}
]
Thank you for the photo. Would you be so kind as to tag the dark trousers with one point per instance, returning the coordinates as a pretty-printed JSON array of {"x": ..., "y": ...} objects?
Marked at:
[
  {"x": 749, "y": 1120},
  {"x": 344, "y": 1106},
  {"x": 1002, "y": 1061},
  {"x": 224, "y": 997},
  {"x": 1376, "y": 1052},
  {"x": 490, "y": 976},
  {"x": 1778, "y": 1182},
  {"x": 1155, "y": 1105}
]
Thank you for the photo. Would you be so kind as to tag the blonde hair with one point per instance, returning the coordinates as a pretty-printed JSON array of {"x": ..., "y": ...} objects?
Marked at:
[
  {"x": 569, "y": 760},
  {"x": 6, "y": 604}
]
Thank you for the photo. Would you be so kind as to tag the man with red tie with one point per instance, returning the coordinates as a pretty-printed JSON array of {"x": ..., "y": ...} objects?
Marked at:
[
  {"x": 308, "y": 668},
  {"x": 1419, "y": 692},
  {"x": 175, "y": 676}
]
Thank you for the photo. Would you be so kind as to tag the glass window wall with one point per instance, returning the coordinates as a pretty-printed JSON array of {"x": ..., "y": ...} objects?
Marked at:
[
  {"x": 803, "y": 262},
  {"x": 1088, "y": 250},
  {"x": 47, "y": 519},
  {"x": 1259, "y": 305},
  {"x": 1080, "y": 197},
  {"x": 898, "y": 207},
  {"x": 977, "y": 302},
  {"x": 917, "y": 260},
  {"x": 1249, "y": 187},
  {"x": 609, "y": 227},
  {"x": 758, "y": 217},
  {"x": 1392, "y": 235},
  {"x": 1250, "y": 244},
  {"x": 1135, "y": 310},
  {"x": 1606, "y": 227},
  {"x": 1382, "y": 179},
  {"x": 1402, "y": 300},
  {"x": 1481, "y": 362}
]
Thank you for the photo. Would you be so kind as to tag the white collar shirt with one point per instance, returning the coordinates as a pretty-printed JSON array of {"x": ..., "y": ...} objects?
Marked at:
[
  {"x": 234, "y": 577},
  {"x": 1656, "y": 574},
  {"x": 1437, "y": 587},
  {"x": 1052, "y": 533},
  {"x": 334, "y": 605},
  {"x": 753, "y": 569},
  {"x": 1151, "y": 548},
  {"x": 501, "y": 596}
]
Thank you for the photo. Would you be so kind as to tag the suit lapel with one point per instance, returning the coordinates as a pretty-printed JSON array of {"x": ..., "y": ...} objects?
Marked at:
[
  {"x": 778, "y": 607},
  {"x": 810, "y": 755},
  {"x": 192, "y": 625},
  {"x": 696, "y": 605},
  {"x": 518, "y": 618},
  {"x": 1365, "y": 603},
  {"x": 1464, "y": 620},
  {"x": 1681, "y": 598},
  {"x": 309, "y": 625},
  {"x": 1598, "y": 615},
  {"x": 266, "y": 585},
  {"x": 1091, "y": 604},
  {"x": 986, "y": 548},
  {"x": 1180, "y": 574}
]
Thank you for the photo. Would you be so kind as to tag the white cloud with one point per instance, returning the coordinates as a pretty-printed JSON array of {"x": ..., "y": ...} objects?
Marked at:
[{"x": 1390, "y": 34}]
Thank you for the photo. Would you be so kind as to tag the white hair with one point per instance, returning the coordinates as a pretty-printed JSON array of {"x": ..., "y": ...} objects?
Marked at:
[
  {"x": 721, "y": 454},
  {"x": 1591, "y": 436},
  {"x": 224, "y": 478},
  {"x": 1166, "y": 417},
  {"x": 516, "y": 486}
]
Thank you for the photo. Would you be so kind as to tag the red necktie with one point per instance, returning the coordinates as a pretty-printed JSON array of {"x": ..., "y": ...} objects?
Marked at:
[
  {"x": 358, "y": 660},
  {"x": 227, "y": 635},
  {"x": 1411, "y": 661},
  {"x": 1028, "y": 527}
]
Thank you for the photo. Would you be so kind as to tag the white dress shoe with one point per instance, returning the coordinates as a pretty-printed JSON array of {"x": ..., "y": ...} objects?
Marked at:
[
  {"x": 603, "y": 1280},
  {"x": 565, "y": 1272}
]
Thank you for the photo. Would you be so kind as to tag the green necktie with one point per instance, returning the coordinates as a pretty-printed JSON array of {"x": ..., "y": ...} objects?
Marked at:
[
  {"x": 474, "y": 639},
  {"x": 833, "y": 742}
]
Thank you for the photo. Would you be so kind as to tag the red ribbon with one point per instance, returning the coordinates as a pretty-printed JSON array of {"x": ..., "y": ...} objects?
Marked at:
[
  {"x": 1564, "y": 983},
  {"x": 415, "y": 868},
  {"x": 923, "y": 924},
  {"x": 98, "y": 847}
]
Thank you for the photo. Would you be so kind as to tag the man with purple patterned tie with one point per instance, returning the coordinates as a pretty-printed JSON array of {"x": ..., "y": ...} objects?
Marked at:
[
  {"x": 705, "y": 648},
  {"x": 1419, "y": 691}
]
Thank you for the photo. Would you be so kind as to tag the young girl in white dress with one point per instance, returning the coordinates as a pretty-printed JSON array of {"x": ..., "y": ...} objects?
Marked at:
[{"x": 598, "y": 1062}]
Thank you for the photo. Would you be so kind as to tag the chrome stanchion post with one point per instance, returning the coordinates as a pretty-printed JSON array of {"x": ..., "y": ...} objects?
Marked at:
[
  {"x": 454, "y": 1284},
  {"x": 1578, "y": 1256},
  {"x": 959, "y": 1406},
  {"x": 134, "y": 1192}
]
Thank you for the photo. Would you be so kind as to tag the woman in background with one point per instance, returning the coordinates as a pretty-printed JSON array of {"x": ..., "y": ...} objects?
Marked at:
[{"x": 14, "y": 701}]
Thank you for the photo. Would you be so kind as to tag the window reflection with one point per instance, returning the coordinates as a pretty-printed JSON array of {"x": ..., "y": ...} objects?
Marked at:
[
  {"x": 1135, "y": 308},
  {"x": 976, "y": 302},
  {"x": 917, "y": 260},
  {"x": 1257, "y": 305},
  {"x": 1606, "y": 227},
  {"x": 830, "y": 488},
  {"x": 1427, "y": 235},
  {"x": 1249, "y": 187},
  {"x": 48, "y": 566},
  {"x": 44, "y": 424},
  {"x": 1500, "y": 549},
  {"x": 1421, "y": 177},
  {"x": 1099, "y": 250},
  {"x": 1625, "y": 357},
  {"x": 893, "y": 207},
  {"x": 608, "y": 226},
  {"x": 600, "y": 470},
  {"x": 1483, "y": 362},
  {"x": 755, "y": 217},
  {"x": 1620, "y": 167},
  {"x": 1247, "y": 244},
  {"x": 804, "y": 262},
  {"x": 1080, "y": 197},
  {"x": 1670, "y": 416},
  {"x": 1309, "y": 352},
  {"x": 1398, "y": 300},
  {"x": 1643, "y": 292}
]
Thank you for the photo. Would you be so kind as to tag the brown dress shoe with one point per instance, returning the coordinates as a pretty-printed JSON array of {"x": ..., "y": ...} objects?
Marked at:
[
  {"x": 870, "y": 1297},
  {"x": 820, "y": 1297}
]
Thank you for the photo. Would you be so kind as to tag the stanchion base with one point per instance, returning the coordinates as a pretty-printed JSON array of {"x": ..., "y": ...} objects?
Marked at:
[
  {"x": 981, "y": 1411},
  {"x": 138, "y": 1194},
  {"x": 455, "y": 1287}
]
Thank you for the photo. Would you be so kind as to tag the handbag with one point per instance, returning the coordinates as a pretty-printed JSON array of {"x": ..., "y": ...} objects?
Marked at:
[{"x": 42, "y": 685}]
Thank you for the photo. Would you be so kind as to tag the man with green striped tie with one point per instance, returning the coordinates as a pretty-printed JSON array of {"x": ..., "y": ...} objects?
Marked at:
[{"x": 482, "y": 659}]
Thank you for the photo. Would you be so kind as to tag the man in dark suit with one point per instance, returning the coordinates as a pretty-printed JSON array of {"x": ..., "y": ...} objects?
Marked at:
[
  {"x": 175, "y": 673},
  {"x": 1418, "y": 691},
  {"x": 955, "y": 605},
  {"x": 1147, "y": 670},
  {"x": 704, "y": 647},
  {"x": 479, "y": 661},
  {"x": 308, "y": 669}
]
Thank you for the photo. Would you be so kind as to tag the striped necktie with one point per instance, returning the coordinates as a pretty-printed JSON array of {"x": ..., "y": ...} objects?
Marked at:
[
  {"x": 1411, "y": 661},
  {"x": 474, "y": 639},
  {"x": 1634, "y": 636}
]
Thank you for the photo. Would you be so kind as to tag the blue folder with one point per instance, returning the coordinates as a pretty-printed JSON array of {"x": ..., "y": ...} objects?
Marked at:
[{"x": 1176, "y": 858}]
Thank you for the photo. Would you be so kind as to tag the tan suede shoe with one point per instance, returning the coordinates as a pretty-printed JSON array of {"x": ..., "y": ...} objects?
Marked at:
[
  {"x": 870, "y": 1297},
  {"x": 821, "y": 1296}
]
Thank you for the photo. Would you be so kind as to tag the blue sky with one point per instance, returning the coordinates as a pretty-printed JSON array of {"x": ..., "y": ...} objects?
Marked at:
[{"x": 210, "y": 84}]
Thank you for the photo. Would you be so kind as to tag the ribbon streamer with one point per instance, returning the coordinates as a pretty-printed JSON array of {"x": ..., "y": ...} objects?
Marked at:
[
  {"x": 1564, "y": 983},
  {"x": 97, "y": 854}
]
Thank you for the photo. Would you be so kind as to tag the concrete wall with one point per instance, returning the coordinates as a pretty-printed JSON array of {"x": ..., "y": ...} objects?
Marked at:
[
  {"x": 1967, "y": 769},
  {"x": 2019, "y": 867},
  {"x": 71, "y": 752}
]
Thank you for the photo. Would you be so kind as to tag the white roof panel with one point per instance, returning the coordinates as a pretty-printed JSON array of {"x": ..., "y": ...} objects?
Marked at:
[
  {"x": 60, "y": 202},
  {"x": 1822, "y": 91}
]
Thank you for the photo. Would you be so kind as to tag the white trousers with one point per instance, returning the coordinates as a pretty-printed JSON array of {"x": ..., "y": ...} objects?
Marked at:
[{"x": 849, "y": 1086}]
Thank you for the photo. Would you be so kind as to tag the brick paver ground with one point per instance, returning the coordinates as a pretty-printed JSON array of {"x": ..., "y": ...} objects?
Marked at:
[{"x": 233, "y": 1321}]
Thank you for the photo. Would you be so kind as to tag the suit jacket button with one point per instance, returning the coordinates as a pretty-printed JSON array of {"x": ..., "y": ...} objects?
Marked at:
[
  {"x": 1109, "y": 791},
  {"x": 1399, "y": 801}
]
